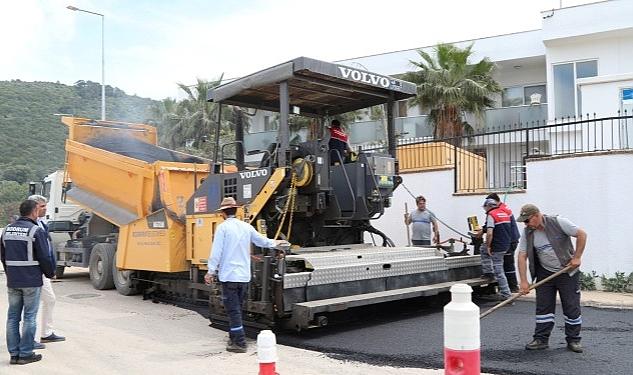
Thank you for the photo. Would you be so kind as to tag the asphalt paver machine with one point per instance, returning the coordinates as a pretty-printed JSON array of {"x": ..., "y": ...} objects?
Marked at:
[{"x": 323, "y": 207}]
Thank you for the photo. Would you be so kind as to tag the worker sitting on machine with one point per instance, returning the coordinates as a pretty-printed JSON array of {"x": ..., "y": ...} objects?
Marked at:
[{"x": 339, "y": 146}]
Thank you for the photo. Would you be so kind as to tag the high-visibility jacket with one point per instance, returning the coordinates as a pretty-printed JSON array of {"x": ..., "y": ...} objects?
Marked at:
[
  {"x": 337, "y": 145},
  {"x": 501, "y": 229},
  {"x": 515, "y": 234},
  {"x": 25, "y": 254}
]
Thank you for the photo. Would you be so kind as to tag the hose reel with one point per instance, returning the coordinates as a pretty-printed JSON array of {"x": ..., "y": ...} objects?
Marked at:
[{"x": 303, "y": 171}]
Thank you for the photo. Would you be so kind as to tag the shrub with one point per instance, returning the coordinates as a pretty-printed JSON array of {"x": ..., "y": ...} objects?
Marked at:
[
  {"x": 620, "y": 283},
  {"x": 587, "y": 280}
]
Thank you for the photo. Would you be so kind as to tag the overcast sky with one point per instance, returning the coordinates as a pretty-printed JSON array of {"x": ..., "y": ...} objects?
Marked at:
[{"x": 152, "y": 44}]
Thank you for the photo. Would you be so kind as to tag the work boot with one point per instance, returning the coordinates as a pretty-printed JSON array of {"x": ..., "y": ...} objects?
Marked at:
[
  {"x": 575, "y": 346},
  {"x": 234, "y": 348},
  {"x": 14, "y": 360},
  {"x": 52, "y": 338},
  {"x": 27, "y": 360},
  {"x": 537, "y": 344}
]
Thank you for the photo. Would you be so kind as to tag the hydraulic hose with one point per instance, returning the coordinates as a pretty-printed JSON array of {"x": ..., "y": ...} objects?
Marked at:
[{"x": 386, "y": 241}]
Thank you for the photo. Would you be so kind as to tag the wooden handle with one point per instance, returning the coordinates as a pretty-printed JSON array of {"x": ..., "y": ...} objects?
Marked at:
[
  {"x": 533, "y": 286},
  {"x": 406, "y": 211}
]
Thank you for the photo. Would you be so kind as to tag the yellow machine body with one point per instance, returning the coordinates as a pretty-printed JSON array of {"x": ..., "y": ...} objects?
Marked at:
[{"x": 124, "y": 191}]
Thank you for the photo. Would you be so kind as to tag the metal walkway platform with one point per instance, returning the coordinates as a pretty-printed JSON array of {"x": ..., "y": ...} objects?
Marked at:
[{"x": 306, "y": 311}]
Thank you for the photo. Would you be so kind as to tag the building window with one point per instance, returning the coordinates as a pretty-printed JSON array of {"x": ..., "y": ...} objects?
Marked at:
[
  {"x": 566, "y": 91},
  {"x": 587, "y": 69},
  {"x": 626, "y": 101},
  {"x": 528, "y": 91},
  {"x": 512, "y": 96},
  {"x": 269, "y": 124},
  {"x": 403, "y": 106},
  {"x": 521, "y": 95},
  {"x": 626, "y": 109}
]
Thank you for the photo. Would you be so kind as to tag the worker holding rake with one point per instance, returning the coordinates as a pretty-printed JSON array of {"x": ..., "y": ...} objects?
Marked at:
[{"x": 547, "y": 247}]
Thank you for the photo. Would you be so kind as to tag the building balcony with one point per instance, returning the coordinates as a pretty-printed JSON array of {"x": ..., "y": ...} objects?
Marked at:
[
  {"x": 418, "y": 127},
  {"x": 372, "y": 132},
  {"x": 524, "y": 116}
]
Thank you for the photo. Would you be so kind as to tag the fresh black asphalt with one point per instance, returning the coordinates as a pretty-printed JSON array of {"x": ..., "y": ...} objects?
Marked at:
[{"x": 411, "y": 335}]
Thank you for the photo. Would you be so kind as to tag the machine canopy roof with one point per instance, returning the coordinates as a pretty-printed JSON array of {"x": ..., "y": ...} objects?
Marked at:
[{"x": 318, "y": 88}]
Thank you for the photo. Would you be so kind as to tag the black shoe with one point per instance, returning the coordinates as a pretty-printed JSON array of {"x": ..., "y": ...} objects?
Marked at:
[
  {"x": 575, "y": 347},
  {"x": 493, "y": 297},
  {"x": 236, "y": 348},
  {"x": 38, "y": 346},
  {"x": 14, "y": 360},
  {"x": 537, "y": 344},
  {"x": 27, "y": 360},
  {"x": 487, "y": 277},
  {"x": 52, "y": 338}
]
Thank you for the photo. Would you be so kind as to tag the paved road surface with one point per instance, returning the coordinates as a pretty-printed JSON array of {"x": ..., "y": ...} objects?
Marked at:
[
  {"x": 108, "y": 333},
  {"x": 113, "y": 334},
  {"x": 412, "y": 337}
]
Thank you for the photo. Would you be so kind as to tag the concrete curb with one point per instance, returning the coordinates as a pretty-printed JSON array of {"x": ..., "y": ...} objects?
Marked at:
[{"x": 599, "y": 299}]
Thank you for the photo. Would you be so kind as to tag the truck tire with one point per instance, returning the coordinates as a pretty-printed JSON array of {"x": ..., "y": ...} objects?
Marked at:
[
  {"x": 59, "y": 271},
  {"x": 123, "y": 280},
  {"x": 101, "y": 259}
]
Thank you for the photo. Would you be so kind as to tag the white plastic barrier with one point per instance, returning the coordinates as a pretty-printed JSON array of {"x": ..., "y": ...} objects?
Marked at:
[
  {"x": 461, "y": 333},
  {"x": 267, "y": 352}
]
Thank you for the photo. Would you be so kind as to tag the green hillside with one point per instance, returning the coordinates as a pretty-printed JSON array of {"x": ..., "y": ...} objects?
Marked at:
[{"x": 32, "y": 137}]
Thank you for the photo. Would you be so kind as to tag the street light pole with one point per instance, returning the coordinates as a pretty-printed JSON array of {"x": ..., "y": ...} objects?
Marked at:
[
  {"x": 103, "y": 104},
  {"x": 103, "y": 101}
]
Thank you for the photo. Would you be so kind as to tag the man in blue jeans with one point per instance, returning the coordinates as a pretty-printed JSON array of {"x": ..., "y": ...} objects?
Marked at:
[
  {"x": 24, "y": 255},
  {"x": 230, "y": 262}
]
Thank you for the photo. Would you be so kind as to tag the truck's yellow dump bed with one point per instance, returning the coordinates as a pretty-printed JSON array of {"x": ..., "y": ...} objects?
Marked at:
[{"x": 119, "y": 173}]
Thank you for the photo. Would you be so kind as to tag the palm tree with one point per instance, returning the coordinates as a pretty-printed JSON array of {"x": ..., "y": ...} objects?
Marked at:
[
  {"x": 448, "y": 86},
  {"x": 197, "y": 117},
  {"x": 163, "y": 116}
]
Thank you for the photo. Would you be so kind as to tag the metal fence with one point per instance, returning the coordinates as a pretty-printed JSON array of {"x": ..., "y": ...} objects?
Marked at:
[{"x": 496, "y": 160}]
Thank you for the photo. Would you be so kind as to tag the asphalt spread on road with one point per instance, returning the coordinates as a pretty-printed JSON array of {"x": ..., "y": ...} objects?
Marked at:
[{"x": 410, "y": 334}]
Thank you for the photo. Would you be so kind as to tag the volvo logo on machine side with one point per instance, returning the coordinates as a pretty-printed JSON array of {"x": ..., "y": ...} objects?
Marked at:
[
  {"x": 253, "y": 174},
  {"x": 365, "y": 77}
]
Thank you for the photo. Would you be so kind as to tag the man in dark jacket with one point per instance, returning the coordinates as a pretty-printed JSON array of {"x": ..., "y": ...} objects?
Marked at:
[
  {"x": 24, "y": 254},
  {"x": 498, "y": 239},
  {"x": 338, "y": 144},
  {"x": 508, "y": 258}
]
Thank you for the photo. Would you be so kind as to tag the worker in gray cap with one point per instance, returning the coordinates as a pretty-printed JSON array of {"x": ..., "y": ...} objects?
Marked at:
[
  {"x": 498, "y": 233},
  {"x": 546, "y": 245}
]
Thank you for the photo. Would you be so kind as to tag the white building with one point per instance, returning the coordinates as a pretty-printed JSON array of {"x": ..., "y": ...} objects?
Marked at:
[{"x": 580, "y": 62}]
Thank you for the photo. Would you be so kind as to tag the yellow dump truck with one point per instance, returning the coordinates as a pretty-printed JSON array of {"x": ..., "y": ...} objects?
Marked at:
[
  {"x": 136, "y": 194},
  {"x": 152, "y": 212}
]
